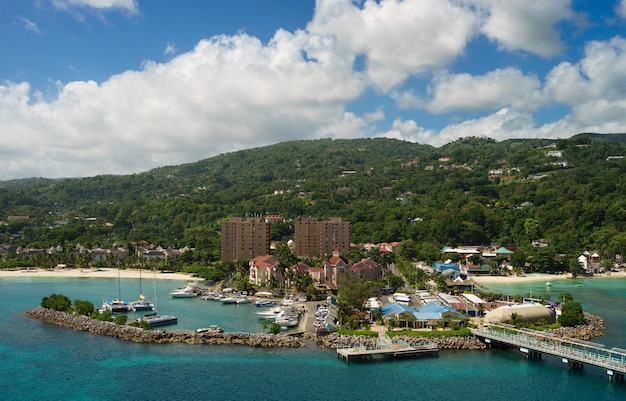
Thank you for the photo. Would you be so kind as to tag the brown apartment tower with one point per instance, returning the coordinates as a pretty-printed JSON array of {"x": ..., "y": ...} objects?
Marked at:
[
  {"x": 245, "y": 238},
  {"x": 320, "y": 238}
]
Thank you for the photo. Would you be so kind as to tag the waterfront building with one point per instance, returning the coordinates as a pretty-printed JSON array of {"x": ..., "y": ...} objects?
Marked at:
[
  {"x": 319, "y": 238},
  {"x": 245, "y": 238}
]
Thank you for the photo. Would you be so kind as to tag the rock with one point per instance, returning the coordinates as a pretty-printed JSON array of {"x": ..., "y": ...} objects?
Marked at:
[{"x": 139, "y": 335}]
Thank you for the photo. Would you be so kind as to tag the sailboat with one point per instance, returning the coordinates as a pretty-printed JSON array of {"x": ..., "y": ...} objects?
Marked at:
[
  {"x": 142, "y": 303},
  {"x": 118, "y": 304},
  {"x": 154, "y": 319}
]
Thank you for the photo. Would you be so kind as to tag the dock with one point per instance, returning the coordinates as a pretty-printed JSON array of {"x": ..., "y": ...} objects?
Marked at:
[
  {"x": 575, "y": 353},
  {"x": 392, "y": 351},
  {"x": 388, "y": 348}
]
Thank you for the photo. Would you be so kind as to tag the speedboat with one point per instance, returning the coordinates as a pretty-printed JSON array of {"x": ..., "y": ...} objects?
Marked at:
[
  {"x": 260, "y": 303},
  {"x": 155, "y": 319},
  {"x": 229, "y": 300},
  {"x": 271, "y": 313},
  {"x": 211, "y": 329},
  {"x": 243, "y": 300},
  {"x": 189, "y": 291}
]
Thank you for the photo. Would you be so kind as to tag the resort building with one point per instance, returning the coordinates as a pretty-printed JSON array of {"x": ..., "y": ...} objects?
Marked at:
[
  {"x": 263, "y": 269},
  {"x": 245, "y": 238},
  {"x": 319, "y": 238}
]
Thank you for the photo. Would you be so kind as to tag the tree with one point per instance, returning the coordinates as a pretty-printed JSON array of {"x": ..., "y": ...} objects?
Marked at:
[
  {"x": 84, "y": 308},
  {"x": 274, "y": 328},
  {"x": 57, "y": 302},
  {"x": 518, "y": 259},
  {"x": 572, "y": 314}
]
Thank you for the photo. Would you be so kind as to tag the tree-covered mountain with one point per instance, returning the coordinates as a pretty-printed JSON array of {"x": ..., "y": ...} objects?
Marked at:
[{"x": 475, "y": 191}]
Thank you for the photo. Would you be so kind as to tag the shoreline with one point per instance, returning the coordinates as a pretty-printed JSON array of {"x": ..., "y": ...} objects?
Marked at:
[
  {"x": 95, "y": 273},
  {"x": 539, "y": 277},
  {"x": 135, "y": 274}
]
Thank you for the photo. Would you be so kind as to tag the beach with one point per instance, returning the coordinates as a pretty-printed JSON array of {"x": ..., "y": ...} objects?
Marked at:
[
  {"x": 539, "y": 277},
  {"x": 95, "y": 273},
  {"x": 135, "y": 273}
]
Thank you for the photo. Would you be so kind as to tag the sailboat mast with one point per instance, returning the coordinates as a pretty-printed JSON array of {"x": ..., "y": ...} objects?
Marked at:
[{"x": 119, "y": 283}]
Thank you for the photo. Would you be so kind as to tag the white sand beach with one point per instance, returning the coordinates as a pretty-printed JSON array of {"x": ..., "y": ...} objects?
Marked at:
[
  {"x": 532, "y": 278},
  {"x": 94, "y": 273}
]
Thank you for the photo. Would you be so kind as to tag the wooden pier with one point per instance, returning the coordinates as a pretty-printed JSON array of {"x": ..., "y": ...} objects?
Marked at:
[{"x": 390, "y": 350}]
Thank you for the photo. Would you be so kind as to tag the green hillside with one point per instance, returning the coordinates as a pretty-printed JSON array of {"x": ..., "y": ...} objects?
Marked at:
[{"x": 472, "y": 191}]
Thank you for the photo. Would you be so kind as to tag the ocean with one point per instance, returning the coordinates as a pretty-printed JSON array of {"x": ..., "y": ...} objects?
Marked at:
[{"x": 44, "y": 362}]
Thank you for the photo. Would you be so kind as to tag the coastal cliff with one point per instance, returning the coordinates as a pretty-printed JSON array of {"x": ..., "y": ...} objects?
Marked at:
[{"x": 139, "y": 335}]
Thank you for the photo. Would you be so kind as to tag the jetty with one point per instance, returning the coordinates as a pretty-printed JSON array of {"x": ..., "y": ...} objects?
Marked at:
[
  {"x": 575, "y": 353},
  {"x": 388, "y": 348}
]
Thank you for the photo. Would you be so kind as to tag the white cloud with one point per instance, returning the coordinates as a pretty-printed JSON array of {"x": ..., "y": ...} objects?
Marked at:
[
  {"x": 129, "y": 6},
  {"x": 503, "y": 124},
  {"x": 170, "y": 49},
  {"x": 463, "y": 92},
  {"x": 526, "y": 25},
  {"x": 397, "y": 38},
  {"x": 620, "y": 8},
  {"x": 408, "y": 130},
  {"x": 30, "y": 25},
  {"x": 228, "y": 93},
  {"x": 600, "y": 74}
]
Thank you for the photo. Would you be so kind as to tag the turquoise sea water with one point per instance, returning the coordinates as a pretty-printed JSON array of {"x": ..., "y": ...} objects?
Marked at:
[{"x": 44, "y": 362}]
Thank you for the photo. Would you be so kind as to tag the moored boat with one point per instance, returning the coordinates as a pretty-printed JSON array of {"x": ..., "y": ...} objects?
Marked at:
[
  {"x": 115, "y": 305},
  {"x": 154, "y": 319},
  {"x": 191, "y": 290}
]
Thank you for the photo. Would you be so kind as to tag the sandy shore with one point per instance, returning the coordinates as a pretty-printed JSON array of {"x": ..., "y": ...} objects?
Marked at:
[
  {"x": 533, "y": 278},
  {"x": 94, "y": 273}
]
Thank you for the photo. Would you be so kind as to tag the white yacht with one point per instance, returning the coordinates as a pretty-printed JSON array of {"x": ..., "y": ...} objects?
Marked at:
[
  {"x": 155, "y": 319},
  {"x": 191, "y": 290}
]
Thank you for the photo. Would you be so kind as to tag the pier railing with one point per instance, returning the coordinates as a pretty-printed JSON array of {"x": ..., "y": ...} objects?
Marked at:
[{"x": 612, "y": 359}]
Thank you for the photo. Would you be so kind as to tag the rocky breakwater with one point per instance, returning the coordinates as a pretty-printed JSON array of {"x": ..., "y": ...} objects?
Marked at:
[
  {"x": 335, "y": 340},
  {"x": 139, "y": 335},
  {"x": 593, "y": 328}
]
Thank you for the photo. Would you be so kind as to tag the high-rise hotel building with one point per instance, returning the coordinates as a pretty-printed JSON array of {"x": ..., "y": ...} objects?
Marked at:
[
  {"x": 245, "y": 238},
  {"x": 320, "y": 238}
]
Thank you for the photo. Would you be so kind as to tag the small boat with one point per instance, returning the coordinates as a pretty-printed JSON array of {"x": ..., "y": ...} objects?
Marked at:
[
  {"x": 264, "y": 303},
  {"x": 229, "y": 300},
  {"x": 548, "y": 284},
  {"x": 191, "y": 290},
  {"x": 141, "y": 304},
  {"x": 210, "y": 329},
  {"x": 155, "y": 319},
  {"x": 243, "y": 300}
]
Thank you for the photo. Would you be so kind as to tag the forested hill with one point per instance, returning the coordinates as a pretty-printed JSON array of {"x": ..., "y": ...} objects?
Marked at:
[{"x": 570, "y": 192}]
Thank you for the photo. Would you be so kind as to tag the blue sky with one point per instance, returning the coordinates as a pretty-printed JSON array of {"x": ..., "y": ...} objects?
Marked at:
[{"x": 92, "y": 87}]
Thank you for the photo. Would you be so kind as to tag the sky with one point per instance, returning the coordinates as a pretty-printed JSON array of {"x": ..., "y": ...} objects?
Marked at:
[{"x": 92, "y": 87}]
